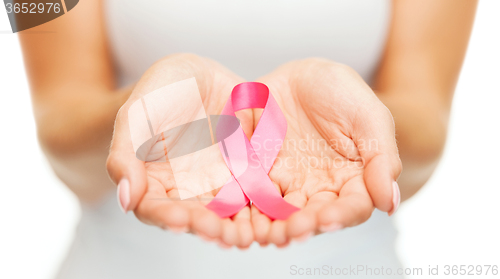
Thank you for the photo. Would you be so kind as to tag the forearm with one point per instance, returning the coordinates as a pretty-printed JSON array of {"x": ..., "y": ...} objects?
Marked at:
[
  {"x": 74, "y": 95},
  {"x": 75, "y": 131},
  {"x": 416, "y": 79}
]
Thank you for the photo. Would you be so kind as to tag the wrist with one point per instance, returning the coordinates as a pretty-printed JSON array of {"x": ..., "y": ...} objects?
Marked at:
[{"x": 84, "y": 125}]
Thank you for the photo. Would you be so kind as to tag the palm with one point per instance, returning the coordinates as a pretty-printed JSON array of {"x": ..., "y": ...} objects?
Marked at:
[
  {"x": 159, "y": 201},
  {"x": 320, "y": 167},
  {"x": 313, "y": 168}
]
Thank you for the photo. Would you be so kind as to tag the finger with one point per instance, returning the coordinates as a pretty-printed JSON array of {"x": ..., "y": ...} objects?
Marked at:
[
  {"x": 205, "y": 222},
  {"x": 202, "y": 221},
  {"x": 278, "y": 231},
  {"x": 277, "y": 234},
  {"x": 353, "y": 207},
  {"x": 244, "y": 227},
  {"x": 381, "y": 183},
  {"x": 261, "y": 225},
  {"x": 297, "y": 219},
  {"x": 124, "y": 168},
  {"x": 229, "y": 235},
  {"x": 303, "y": 224},
  {"x": 157, "y": 209},
  {"x": 375, "y": 138}
]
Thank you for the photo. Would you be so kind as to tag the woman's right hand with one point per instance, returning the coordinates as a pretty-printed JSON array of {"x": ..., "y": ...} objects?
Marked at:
[{"x": 148, "y": 188}]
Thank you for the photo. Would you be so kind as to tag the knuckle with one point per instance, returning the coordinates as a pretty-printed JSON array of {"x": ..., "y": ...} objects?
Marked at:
[
  {"x": 398, "y": 166},
  {"x": 338, "y": 69},
  {"x": 111, "y": 166},
  {"x": 142, "y": 216},
  {"x": 364, "y": 209},
  {"x": 315, "y": 61},
  {"x": 365, "y": 213},
  {"x": 181, "y": 58}
]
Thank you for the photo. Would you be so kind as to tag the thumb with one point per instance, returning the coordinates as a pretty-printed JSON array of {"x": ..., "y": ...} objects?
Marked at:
[
  {"x": 123, "y": 167},
  {"x": 375, "y": 138}
]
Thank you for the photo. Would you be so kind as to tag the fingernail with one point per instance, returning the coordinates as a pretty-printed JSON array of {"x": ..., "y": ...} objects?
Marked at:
[
  {"x": 123, "y": 194},
  {"x": 178, "y": 230},
  {"x": 396, "y": 198},
  {"x": 330, "y": 228},
  {"x": 303, "y": 237}
]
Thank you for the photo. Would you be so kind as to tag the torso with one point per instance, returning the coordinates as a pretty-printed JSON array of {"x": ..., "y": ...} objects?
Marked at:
[{"x": 251, "y": 38}]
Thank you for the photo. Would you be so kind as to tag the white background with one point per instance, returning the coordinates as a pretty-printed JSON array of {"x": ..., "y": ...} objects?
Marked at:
[{"x": 453, "y": 220}]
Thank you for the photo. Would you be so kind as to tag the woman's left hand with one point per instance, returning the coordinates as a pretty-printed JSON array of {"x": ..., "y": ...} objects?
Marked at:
[{"x": 339, "y": 159}]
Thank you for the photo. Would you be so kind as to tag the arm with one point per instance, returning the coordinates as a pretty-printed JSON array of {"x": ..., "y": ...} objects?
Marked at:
[
  {"x": 74, "y": 96},
  {"x": 417, "y": 77}
]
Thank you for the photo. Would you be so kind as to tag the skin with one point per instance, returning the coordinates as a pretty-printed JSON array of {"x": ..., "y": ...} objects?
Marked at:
[
  {"x": 432, "y": 37},
  {"x": 153, "y": 194},
  {"x": 332, "y": 103},
  {"x": 71, "y": 75}
]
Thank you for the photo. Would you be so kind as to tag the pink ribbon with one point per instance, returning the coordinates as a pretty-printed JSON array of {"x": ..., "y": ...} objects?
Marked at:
[{"x": 250, "y": 166}]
